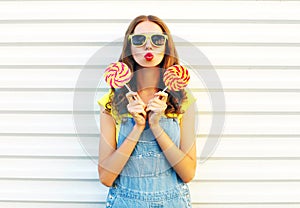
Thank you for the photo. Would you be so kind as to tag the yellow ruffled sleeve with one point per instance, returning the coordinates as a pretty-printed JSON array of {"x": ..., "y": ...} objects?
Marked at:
[
  {"x": 185, "y": 105},
  {"x": 104, "y": 99},
  {"x": 189, "y": 101},
  {"x": 102, "y": 102}
]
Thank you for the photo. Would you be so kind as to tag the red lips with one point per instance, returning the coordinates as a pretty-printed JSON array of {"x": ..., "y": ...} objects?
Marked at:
[{"x": 149, "y": 56}]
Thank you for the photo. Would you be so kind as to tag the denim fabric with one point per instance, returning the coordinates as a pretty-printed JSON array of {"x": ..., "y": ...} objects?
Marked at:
[{"x": 148, "y": 180}]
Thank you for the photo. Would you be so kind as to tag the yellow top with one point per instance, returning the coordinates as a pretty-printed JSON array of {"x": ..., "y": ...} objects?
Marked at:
[{"x": 105, "y": 99}]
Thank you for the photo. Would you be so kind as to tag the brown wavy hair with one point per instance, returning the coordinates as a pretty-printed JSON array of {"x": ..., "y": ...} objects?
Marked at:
[{"x": 117, "y": 99}]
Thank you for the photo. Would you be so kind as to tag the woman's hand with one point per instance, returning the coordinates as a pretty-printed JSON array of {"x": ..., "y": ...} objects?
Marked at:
[
  {"x": 157, "y": 107},
  {"x": 136, "y": 107}
]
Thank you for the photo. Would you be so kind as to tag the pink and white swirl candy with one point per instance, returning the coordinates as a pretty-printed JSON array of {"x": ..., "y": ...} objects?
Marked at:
[
  {"x": 117, "y": 75},
  {"x": 176, "y": 77}
]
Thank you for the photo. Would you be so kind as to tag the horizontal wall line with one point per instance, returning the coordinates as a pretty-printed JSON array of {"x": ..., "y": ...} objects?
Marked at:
[
  {"x": 48, "y": 134},
  {"x": 233, "y": 44},
  {"x": 70, "y": 112},
  {"x": 52, "y": 202},
  {"x": 96, "y": 158},
  {"x": 247, "y": 203},
  {"x": 196, "y": 180},
  {"x": 54, "y": 89},
  {"x": 248, "y": 180},
  {"x": 152, "y": 0},
  {"x": 198, "y": 67},
  {"x": 199, "y": 136},
  {"x": 252, "y": 136},
  {"x": 105, "y": 90},
  {"x": 249, "y": 158},
  {"x": 217, "y": 21},
  {"x": 49, "y": 179},
  {"x": 47, "y": 157},
  {"x": 194, "y": 203},
  {"x": 74, "y": 158},
  {"x": 263, "y": 67}
]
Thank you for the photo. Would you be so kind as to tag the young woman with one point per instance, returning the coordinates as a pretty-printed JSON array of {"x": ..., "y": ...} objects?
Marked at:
[{"x": 147, "y": 149}]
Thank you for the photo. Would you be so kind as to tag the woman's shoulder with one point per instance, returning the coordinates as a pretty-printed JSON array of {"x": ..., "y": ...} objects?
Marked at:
[
  {"x": 190, "y": 99},
  {"x": 104, "y": 99},
  {"x": 186, "y": 103}
]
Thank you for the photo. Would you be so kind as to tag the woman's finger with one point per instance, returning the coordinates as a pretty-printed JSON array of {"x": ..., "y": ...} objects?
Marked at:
[
  {"x": 131, "y": 96},
  {"x": 157, "y": 102},
  {"x": 133, "y": 110},
  {"x": 137, "y": 103},
  {"x": 156, "y": 107},
  {"x": 161, "y": 95},
  {"x": 134, "y": 100}
]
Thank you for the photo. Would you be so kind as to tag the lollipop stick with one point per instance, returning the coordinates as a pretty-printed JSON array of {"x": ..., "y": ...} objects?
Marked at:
[
  {"x": 128, "y": 88},
  {"x": 134, "y": 98},
  {"x": 165, "y": 89}
]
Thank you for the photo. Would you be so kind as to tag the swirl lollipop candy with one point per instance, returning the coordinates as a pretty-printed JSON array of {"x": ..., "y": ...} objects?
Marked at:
[
  {"x": 117, "y": 75},
  {"x": 176, "y": 77}
]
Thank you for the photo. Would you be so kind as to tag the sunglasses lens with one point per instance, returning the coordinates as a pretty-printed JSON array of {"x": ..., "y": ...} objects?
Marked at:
[
  {"x": 138, "y": 40},
  {"x": 158, "y": 40}
]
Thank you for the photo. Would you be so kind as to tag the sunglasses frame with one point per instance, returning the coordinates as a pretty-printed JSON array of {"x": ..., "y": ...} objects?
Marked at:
[{"x": 147, "y": 37}]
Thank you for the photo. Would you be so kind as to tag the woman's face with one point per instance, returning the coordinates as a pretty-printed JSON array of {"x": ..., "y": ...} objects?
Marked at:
[{"x": 148, "y": 55}]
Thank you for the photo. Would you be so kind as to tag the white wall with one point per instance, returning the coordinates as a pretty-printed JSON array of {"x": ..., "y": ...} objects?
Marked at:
[{"x": 253, "y": 46}]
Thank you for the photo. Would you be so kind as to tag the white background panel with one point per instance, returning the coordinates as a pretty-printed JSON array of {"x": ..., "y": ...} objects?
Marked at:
[
  {"x": 87, "y": 147},
  {"x": 37, "y": 101},
  {"x": 50, "y": 101},
  {"x": 50, "y": 204},
  {"x": 49, "y": 78},
  {"x": 166, "y": 10},
  {"x": 220, "y": 192},
  {"x": 222, "y": 170},
  {"x": 42, "y": 168},
  {"x": 235, "y": 33},
  {"x": 80, "y": 55},
  {"x": 243, "y": 79},
  {"x": 107, "y": 32},
  {"x": 52, "y": 190},
  {"x": 251, "y": 124},
  {"x": 253, "y": 46},
  {"x": 246, "y": 205},
  {"x": 250, "y": 146},
  {"x": 259, "y": 169},
  {"x": 101, "y": 205},
  {"x": 250, "y": 101},
  {"x": 200, "y": 78},
  {"x": 234, "y": 124},
  {"x": 206, "y": 191},
  {"x": 243, "y": 55},
  {"x": 42, "y": 146},
  {"x": 40, "y": 78}
]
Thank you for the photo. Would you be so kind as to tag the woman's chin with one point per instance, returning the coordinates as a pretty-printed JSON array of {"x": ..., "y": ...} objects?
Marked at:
[{"x": 149, "y": 64}]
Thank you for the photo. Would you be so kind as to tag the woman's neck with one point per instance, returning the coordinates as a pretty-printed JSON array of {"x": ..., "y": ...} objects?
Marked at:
[{"x": 148, "y": 80}]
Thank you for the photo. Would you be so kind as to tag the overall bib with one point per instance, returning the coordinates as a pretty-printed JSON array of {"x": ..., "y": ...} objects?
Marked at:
[{"x": 148, "y": 180}]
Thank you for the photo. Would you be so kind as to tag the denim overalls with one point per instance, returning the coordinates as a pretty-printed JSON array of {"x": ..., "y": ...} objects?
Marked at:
[{"x": 148, "y": 180}]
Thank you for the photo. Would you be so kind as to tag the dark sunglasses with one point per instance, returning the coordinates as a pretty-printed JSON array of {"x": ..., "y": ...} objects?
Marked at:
[{"x": 140, "y": 39}]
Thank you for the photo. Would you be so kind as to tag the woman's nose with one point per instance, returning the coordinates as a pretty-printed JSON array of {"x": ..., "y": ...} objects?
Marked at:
[{"x": 148, "y": 44}]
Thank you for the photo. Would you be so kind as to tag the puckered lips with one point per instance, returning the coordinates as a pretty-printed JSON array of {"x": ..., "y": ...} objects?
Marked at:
[{"x": 149, "y": 56}]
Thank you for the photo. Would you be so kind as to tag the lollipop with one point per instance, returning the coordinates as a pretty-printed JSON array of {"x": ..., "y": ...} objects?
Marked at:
[
  {"x": 176, "y": 77},
  {"x": 117, "y": 75}
]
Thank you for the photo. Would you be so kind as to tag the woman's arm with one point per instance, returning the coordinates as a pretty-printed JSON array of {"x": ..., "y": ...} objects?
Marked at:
[
  {"x": 183, "y": 159},
  {"x": 112, "y": 160}
]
